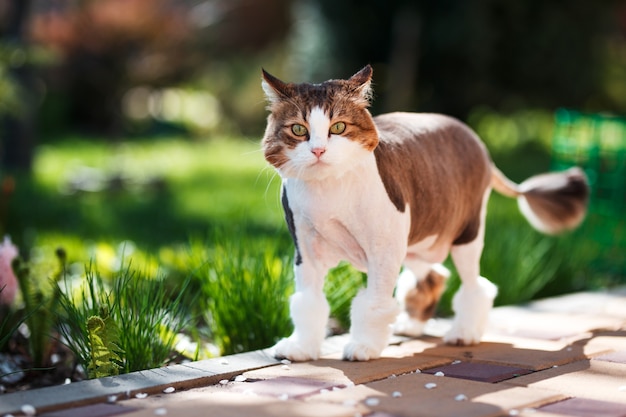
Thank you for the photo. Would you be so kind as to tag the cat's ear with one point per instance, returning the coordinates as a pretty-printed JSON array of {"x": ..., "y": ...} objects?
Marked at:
[
  {"x": 274, "y": 88},
  {"x": 361, "y": 83}
]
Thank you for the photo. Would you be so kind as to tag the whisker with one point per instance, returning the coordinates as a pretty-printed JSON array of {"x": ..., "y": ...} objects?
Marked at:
[
  {"x": 261, "y": 172},
  {"x": 253, "y": 152}
]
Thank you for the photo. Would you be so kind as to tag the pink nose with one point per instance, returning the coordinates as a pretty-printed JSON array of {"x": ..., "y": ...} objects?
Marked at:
[{"x": 318, "y": 151}]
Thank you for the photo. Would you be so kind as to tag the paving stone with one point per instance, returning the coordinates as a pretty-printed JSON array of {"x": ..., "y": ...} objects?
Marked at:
[
  {"x": 618, "y": 357},
  {"x": 228, "y": 404},
  {"x": 585, "y": 335},
  {"x": 382, "y": 368},
  {"x": 610, "y": 340},
  {"x": 399, "y": 347},
  {"x": 590, "y": 303},
  {"x": 345, "y": 373},
  {"x": 583, "y": 407},
  {"x": 533, "y": 354},
  {"x": 477, "y": 371},
  {"x": 286, "y": 387},
  {"x": 97, "y": 390},
  {"x": 94, "y": 410},
  {"x": 410, "y": 347},
  {"x": 151, "y": 381},
  {"x": 350, "y": 397},
  {"x": 533, "y": 412},
  {"x": 395, "y": 360},
  {"x": 179, "y": 396},
  {"x": 529, "y": 323},
  {"x": 235, "y": 363},
  {"x": 315, "y": 370},
  {"x": 598, "y": 380},
  {"x": 334, "y": 344},
  {"x": 408, "y": 395}
]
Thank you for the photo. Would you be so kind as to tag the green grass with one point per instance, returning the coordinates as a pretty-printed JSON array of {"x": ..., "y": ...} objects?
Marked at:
[
  {"x": 200, "y": 185},
  {"x": 245, "y": 288}
]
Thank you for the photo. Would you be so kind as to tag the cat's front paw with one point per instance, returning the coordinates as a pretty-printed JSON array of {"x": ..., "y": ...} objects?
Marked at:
[
  {"x": 357, "y": 351},
  {"x": 290, "y": 348},
  {"x": 406, "y": 325}
]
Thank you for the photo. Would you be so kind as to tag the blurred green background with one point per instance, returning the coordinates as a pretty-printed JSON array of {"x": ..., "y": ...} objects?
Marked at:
[{"x": 129, "y": 129}]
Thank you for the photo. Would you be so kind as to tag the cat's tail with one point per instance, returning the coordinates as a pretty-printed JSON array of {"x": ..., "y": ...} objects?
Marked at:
[{"x": 552, "y": 202}]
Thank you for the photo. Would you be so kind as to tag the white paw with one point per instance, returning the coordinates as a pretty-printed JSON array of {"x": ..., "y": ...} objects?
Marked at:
[
  {"x": 356, "y": 351},
  {"x": 290, "y": 348},
  {"x": 408, "y": 326},
  {"x": 471, "y": 305},
  {"x": 463, "y": 335}
]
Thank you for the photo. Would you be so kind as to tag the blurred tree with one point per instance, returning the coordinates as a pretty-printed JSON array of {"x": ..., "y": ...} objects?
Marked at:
[
  {"x": 109, "y": 46},
  {"x": 106, "y": 47},
  {"x": 17, "y": 89},
  {"x": 452, "y": 55},
  {"x": 240, "y": 27}
]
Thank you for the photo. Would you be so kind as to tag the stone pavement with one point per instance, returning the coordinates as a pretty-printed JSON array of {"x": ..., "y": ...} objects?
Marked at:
[{"x": 563, "y": 356}]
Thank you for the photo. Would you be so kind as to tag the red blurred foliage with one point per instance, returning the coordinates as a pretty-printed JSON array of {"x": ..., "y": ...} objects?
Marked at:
[
  {"x": 106, "y": 47},
  {"x": 149, "y": 37}
]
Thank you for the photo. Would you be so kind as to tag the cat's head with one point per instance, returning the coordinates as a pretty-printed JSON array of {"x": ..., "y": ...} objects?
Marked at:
[{"x": 319, "y": 130}]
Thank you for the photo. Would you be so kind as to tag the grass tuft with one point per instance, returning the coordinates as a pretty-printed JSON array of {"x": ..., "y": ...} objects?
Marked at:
[
  {"x": 148, "y": 316},
  {"x": 245, "y": 287}
]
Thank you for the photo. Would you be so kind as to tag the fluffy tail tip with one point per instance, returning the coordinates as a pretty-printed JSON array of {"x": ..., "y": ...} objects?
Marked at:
[{"x": 555, "y": 202}]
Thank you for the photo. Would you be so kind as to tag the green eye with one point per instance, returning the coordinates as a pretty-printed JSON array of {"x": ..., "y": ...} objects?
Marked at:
[
  {"x": 338, "y": 128},
  {"x": 299, "y": 130}
]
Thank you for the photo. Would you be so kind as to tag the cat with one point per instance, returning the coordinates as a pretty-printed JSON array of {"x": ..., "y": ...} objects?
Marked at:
[{"x": 399, "y": 190}]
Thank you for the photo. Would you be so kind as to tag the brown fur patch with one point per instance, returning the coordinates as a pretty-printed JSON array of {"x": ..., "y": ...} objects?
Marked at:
[
  {"x": 439, "y": 168},
  {"x": 421, "y": 301},
  {"x": 558, "y": 199}
]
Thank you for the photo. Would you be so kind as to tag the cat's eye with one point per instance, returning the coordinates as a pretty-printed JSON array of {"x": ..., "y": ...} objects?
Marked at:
[
  {"x": 338, "y": 128},
  {"x": 299, "y": 130}
]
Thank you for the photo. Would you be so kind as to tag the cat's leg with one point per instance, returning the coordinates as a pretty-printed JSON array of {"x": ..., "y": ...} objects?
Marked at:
[
  {"x": 474, "y": 299},
  {"x": 373, "y": 312},
  {"x": 309, "y": 312},
  {"x": 419, "y": 288}
]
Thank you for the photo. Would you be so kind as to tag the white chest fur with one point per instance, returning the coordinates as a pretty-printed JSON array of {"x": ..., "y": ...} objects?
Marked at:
[{"x": 347, "y": 218}]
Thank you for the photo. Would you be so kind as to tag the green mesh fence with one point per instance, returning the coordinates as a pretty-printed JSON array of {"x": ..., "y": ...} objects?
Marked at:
[{"x": 597, "y": 143}]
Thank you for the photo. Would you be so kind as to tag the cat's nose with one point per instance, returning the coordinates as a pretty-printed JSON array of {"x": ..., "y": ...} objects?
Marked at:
[{"x": 318, "y": 152}]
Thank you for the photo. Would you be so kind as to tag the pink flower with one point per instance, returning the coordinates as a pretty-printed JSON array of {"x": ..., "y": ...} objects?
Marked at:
[{"x": 8, "y": 281}]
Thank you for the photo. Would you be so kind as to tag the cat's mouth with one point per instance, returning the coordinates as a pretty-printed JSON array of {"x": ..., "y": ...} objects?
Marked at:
[{"x": 320, "y": 163}]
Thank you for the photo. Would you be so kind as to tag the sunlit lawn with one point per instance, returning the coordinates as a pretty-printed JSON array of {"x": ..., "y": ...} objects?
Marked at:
[{"x": 160, "y": 193}]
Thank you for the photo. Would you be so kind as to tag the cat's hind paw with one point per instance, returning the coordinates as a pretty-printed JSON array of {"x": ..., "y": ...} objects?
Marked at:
[
  {"x": 463, "y": 337},
  {"x": 406, "y": 325},
  {"x": 356, "y": 351},
  {"x": 289, "y": 348},
  {"x": 471, "y": 305}
]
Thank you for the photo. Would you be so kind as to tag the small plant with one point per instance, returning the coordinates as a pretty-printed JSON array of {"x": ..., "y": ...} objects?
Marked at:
[
  {"x": 104, "y": 346},
  {"x": 41, "y": 298},
  {"x": 128, "y": 326}
]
